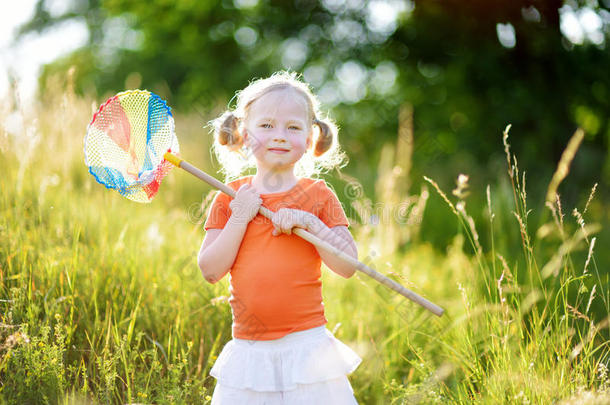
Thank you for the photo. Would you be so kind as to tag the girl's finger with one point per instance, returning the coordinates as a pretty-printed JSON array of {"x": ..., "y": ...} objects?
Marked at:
[
  {"x": 275, "y": 222},
  {"x": 286, "y": 225}
]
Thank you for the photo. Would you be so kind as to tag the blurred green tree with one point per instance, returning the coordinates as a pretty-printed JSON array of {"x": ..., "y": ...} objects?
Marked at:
[{"x": 467, "y": 68}]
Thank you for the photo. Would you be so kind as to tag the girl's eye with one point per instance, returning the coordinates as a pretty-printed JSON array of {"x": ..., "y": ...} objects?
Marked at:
[
  {"x": 265, "y": 125},
  {"x": 294, "y": 127}
]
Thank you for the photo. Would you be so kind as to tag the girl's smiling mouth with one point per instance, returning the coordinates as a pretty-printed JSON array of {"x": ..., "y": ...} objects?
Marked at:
[{"x": 278, "y": 150}]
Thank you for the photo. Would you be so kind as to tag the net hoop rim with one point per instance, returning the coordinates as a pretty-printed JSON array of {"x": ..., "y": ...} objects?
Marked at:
[{"x": 102, "y": 107}]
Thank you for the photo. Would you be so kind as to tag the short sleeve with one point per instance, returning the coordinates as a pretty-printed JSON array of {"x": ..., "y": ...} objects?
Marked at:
[
  {"x": 332, "y": 213},
  {"x": 219, "y": 212}
]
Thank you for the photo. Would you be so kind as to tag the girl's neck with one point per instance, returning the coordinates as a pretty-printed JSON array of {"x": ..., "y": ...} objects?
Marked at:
[{"x": 270, "y": 181}]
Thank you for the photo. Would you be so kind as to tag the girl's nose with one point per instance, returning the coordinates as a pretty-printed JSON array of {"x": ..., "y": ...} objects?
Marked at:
[{"x": 279, "y": 136}]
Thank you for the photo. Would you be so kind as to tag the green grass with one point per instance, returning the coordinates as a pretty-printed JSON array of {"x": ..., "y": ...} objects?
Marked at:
[{"x": 101, "y": 300}]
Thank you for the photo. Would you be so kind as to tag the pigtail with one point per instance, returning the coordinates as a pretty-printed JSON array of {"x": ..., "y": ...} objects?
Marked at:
[
  {"x": 327, "y": 133},
  {"x": 226, "y": 129}
]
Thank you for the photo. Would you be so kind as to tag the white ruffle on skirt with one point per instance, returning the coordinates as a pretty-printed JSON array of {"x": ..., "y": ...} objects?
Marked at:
[
  {"x": 305, "y": 357},
  {"x": 332, "y": 392}
]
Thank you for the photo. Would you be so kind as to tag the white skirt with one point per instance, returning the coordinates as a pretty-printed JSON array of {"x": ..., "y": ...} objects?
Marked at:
[{"x": 304, "y": 367}]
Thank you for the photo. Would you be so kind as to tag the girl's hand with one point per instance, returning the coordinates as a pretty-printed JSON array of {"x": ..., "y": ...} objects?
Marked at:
[
  {"x": 246, "y": 203},
  {"x": 285, "y": 219}
]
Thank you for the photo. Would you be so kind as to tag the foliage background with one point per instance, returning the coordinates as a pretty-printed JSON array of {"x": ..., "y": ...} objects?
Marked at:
[
  {"x": 419, "y": 88},
  {"x": 366, "y": 60}
]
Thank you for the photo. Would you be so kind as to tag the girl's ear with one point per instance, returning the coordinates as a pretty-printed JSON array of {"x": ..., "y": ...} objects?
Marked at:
[{"x": 309, "y": 139}]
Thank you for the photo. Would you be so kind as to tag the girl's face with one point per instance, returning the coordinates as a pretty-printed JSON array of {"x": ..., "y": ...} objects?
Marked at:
[{"x": 278, "y": 129}]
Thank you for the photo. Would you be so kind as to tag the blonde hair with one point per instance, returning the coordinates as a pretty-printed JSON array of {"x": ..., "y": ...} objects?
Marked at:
[{"x": 229, "y": 148}]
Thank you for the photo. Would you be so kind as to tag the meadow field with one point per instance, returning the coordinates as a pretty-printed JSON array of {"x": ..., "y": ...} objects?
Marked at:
[{"x": 101, "y": 299}]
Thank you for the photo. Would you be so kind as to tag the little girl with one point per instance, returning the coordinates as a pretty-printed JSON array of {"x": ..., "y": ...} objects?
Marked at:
[{"x": 281, "y": 351}]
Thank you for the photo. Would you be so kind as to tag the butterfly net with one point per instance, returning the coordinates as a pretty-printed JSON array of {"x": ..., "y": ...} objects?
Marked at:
[{"x": 126, "y": 141}]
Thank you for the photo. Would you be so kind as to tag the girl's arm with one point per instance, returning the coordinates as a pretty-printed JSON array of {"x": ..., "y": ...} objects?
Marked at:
[
  {"x": 338, "y": 236},
  {"x": 341, "y": 238},
  {"x": 219, "y": 247}
]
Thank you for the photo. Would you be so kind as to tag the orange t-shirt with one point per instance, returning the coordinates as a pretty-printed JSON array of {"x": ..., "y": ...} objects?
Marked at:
[{"x": 275, "y": 280}]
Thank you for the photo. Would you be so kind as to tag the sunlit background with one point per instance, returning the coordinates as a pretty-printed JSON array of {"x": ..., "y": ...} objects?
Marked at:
[
  {"x": 101, "y": 298},
  {"x": 22, "y": 58},
  {"x": 457, "y": 72}
]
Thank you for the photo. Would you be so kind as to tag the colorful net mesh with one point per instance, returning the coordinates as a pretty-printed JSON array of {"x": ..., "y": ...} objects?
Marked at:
[{"x": 125, "y": 143}]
